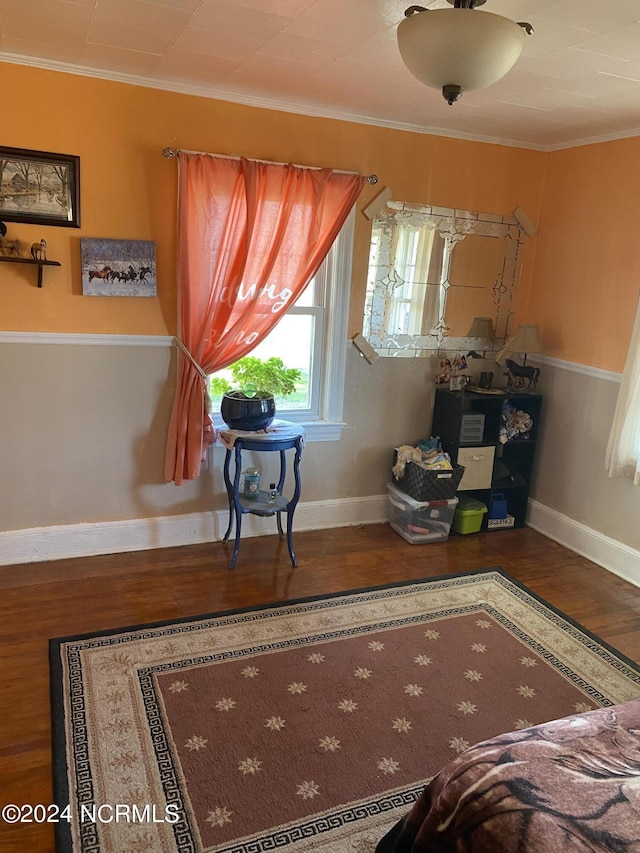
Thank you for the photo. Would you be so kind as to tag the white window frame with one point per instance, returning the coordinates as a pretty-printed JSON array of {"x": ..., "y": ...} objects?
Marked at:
[{"x": 323, "y": 421}]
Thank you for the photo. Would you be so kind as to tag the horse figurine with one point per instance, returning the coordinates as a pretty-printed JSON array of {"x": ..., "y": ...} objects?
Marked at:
[
  {"x": 39, "y": 251},
  {"x": 9, "y": 247},
  {"x": 518, "y": 371}
]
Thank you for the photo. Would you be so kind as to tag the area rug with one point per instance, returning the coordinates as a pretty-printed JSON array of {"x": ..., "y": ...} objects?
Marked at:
[{"x": 312, "y": 724}]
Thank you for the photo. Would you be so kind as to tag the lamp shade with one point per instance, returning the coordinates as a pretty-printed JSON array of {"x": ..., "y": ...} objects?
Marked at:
[
  {"x": 465, "y": 48},
  {"x": 482, "y": 327},
  {"x": 526, "y": 339}
]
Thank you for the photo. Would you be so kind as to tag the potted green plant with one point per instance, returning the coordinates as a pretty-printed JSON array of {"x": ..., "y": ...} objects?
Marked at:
[{"x": 257, "y": 381}]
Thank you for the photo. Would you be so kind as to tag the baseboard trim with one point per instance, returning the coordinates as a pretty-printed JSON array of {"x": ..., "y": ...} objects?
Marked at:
[
  {"x": 59, "y": 542},
  {"x": 141, "y": 534},
  {"x": 609, "y": 553}
]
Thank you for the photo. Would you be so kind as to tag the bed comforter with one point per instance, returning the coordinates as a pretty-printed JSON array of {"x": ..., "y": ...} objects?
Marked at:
[{"x": 569, "y": 785}]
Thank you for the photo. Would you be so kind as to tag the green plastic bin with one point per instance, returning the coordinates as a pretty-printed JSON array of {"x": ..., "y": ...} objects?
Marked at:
[{"x": 468, "y": 515}]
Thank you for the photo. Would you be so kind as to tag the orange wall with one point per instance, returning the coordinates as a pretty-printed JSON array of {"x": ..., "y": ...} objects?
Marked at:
[
  {"x": 128, "y": 190},
  {"x": 587, "y": 263}
]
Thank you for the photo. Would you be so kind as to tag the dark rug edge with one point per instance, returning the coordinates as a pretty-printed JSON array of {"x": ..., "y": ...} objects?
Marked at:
[{"x": 62, "y": 829}]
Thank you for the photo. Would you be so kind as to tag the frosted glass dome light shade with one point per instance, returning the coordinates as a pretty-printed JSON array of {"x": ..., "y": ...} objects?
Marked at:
[{"x": 462, "y": 48}]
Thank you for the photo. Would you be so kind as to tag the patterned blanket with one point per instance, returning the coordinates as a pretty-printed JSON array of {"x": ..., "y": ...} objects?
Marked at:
[{"x": 570, "y": 785}]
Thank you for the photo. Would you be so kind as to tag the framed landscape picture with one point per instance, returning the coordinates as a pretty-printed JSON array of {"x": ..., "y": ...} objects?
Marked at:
[
  {"x": 118, "y": 267},
  {"x": 39, "y": 187}
]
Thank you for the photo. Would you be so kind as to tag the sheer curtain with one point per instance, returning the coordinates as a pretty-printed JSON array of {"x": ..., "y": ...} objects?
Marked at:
[
  {"x": 623, "y": 449},
  {"x": 251, "y": 235}
]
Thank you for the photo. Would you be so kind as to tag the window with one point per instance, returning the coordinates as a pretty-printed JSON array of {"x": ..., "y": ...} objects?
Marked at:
[{"x": 312, "y": 337}]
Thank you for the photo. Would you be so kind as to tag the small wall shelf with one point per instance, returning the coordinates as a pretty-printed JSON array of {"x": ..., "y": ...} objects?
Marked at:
[{"x": 39, "y": 264}]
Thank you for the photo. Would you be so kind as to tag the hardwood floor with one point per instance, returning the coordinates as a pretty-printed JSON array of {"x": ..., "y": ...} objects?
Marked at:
[{"x": 44, "y": 600}]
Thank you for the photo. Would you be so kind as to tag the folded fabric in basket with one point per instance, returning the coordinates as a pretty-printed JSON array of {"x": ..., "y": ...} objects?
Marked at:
[{"x": 434, "y": 459}]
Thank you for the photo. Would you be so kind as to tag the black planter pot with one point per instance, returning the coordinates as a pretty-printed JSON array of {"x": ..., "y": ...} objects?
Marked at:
[{"x": 248, "y": 413}]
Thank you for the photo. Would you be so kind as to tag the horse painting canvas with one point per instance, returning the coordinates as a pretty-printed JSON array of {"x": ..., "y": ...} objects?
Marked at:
[{"x": 118, "y": 267}]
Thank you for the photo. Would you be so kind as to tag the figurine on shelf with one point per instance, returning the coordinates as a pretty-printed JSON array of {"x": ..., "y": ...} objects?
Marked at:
[
  {"x": 518, "y": 373},
  {"x": 9, "y": 248},
  {"x": 39, "y": 250}
]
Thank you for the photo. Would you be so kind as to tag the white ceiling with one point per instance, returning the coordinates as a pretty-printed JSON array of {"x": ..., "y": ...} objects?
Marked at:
[{"x": 577, "y": 80}]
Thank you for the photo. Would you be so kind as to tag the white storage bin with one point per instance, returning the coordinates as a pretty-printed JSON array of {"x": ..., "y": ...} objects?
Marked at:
[
  {"x": 420, "y": 521},
  {"x": 478, "y": 467}
]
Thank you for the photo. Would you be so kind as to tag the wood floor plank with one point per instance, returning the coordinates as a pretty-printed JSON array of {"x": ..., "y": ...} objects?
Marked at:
[{"x": 67, "y": 597}]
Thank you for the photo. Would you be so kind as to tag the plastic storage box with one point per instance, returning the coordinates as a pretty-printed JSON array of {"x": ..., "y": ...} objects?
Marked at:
[
  {"x": 420, "y": 521},
  {"x": 498, "y": 506},
  {"x": 468, "y": 515}
]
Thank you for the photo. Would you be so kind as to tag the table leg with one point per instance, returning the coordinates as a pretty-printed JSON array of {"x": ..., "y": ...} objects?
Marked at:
[
  {"x": 235, "y": 507},
  {"x": 283, "y": 471},
  {"x": 229, "y": 487},
  {"x": 291, "y": 506}
]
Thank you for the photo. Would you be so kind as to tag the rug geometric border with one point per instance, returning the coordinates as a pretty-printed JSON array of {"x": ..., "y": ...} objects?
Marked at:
[{"x": 74, "y": 645}]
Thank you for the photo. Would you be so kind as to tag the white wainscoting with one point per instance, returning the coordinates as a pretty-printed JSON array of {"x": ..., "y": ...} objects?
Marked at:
[
  {"x": 138, "y": 534},
  {"x": 141, "y": 534}
]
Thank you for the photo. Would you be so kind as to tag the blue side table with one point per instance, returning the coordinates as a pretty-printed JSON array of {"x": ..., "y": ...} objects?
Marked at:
[{"x": 281, "y": 436}]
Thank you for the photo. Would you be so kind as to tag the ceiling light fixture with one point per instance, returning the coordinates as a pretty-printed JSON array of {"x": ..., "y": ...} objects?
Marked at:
[{"x": 459, "y": 49}]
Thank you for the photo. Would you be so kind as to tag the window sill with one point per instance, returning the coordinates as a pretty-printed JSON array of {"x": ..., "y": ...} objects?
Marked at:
[{"x": 315, "y": 430}]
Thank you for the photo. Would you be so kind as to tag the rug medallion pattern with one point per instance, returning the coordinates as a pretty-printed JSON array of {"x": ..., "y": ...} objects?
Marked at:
[{"x": 314, "y": 724}]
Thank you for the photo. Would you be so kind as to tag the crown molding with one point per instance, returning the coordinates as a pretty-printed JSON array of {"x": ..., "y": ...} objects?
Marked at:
[
  {"x": 221, "y": 94},
  {"x": 595, "y": 140}
]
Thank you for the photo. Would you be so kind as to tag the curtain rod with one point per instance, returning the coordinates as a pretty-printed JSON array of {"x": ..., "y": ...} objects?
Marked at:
[{"x": 169, "y": 153}]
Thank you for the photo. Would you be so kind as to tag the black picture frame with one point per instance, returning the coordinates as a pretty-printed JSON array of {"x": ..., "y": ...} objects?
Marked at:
[{"x": 39, "y": 187}]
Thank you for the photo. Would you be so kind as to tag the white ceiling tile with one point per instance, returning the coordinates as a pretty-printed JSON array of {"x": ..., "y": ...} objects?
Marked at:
[
  {"x": 120, "y": 35},
  {"x": 44, "y": 33},
  {"x": 59, "y": 52},
  {"x": 234, "y": 20},
  {"x": 143, "y": 16},
  {"x": 216, "y": 44},
  {"x": 548, "y": 37},
  {"x": 621, "y": 104},
  {"x": 190, "y": 66},
  {"x": 319, "y": 22},
  {"x": 183, "y": 5},
  {"x": 275, "y": 68},
  {"x": 118, "y": 58},
  {"x": 56, "y": 13},
  {"x": 625, "y": 71},
  {"x": 241, "y": 82},
  {"x": 519, "y": 10},
  {"x": 594, "y": 15},
  {"x": 579, "y": 73},
  {"x": 569, "y": 63},
  {"x": 623, "y": 43},
  {"x": 302, "y": 49},
  {"x": 288, "y": 8}
]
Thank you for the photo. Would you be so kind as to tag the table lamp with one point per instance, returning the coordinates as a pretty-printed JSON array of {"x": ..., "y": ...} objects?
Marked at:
[
  {"x": 526, "y": 340},
  {"x": 482, "y": 328}
]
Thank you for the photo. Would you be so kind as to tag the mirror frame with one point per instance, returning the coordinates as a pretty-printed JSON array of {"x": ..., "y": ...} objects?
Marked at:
[{"x": 454, "y": 225}]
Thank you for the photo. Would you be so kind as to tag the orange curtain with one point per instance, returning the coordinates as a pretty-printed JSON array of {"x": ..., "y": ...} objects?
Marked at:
[{"x": 251, "y": 236}]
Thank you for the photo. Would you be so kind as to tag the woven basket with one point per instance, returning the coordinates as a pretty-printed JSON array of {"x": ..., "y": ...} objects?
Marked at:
[{"x": 423, "y": 485}]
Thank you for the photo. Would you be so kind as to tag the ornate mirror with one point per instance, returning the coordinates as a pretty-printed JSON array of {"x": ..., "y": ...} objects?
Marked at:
[{"x": 431, "y": 271}]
